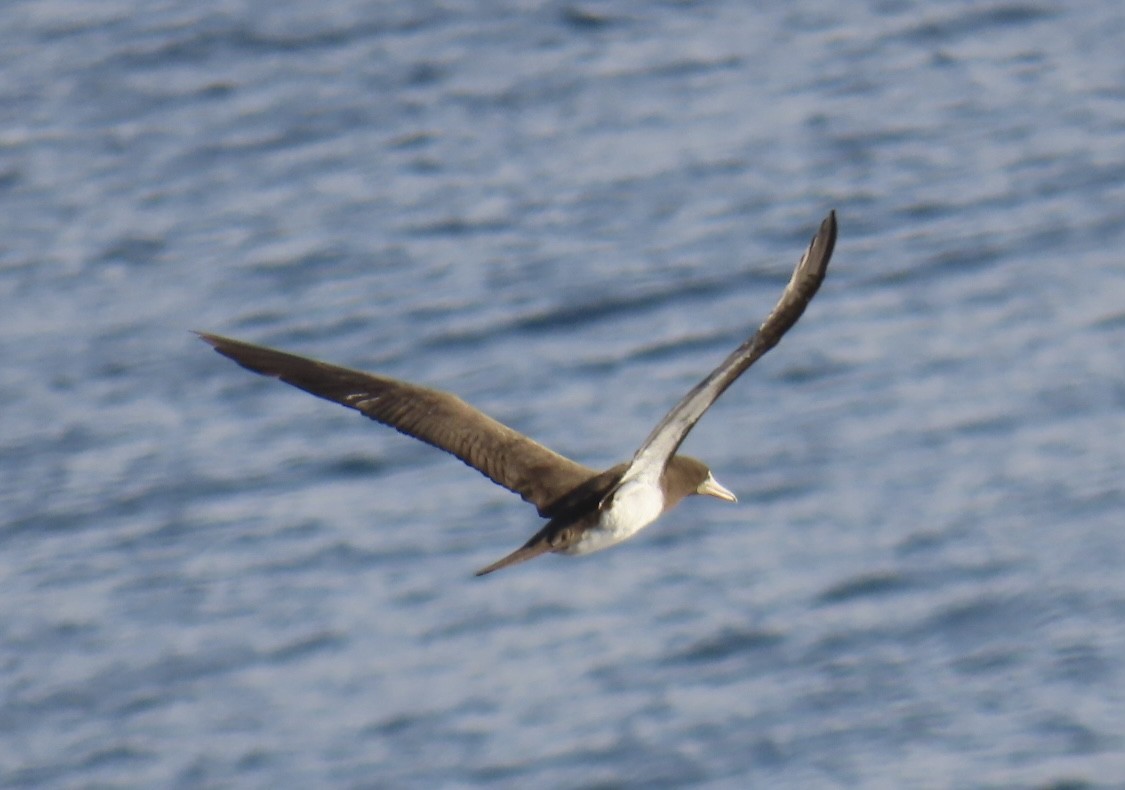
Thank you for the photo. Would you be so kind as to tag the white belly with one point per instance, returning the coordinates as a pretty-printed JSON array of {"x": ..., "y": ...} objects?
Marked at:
[{"x": 634, "y": 506}]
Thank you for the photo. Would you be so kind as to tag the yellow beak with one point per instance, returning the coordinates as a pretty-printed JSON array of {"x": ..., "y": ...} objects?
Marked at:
[{"x": 711, "y": 487}]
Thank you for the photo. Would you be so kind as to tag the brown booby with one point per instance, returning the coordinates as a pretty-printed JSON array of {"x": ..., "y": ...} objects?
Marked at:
[{"x": 587, "y": 510}]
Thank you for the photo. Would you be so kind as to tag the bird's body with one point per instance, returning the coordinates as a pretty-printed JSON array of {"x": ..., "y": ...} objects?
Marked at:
[
  {"x": 635, "y": 505},
  {"x": 587, "y": 510}
]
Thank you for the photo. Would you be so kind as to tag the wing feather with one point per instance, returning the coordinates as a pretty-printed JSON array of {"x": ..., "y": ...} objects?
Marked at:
[
  {"x": 670, "y": 432},
  {"x": 505, "y": 456}
]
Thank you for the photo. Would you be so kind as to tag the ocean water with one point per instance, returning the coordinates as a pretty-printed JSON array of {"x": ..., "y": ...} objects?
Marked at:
[{"x": 567, "y": 213}]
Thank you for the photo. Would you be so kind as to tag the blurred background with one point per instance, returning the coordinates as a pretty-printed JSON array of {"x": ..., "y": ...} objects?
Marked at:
[{"x": 567, "y": 213}]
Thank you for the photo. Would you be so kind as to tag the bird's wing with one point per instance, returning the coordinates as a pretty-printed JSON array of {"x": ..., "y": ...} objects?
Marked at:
[
  {"x": 667, "y": 436},
  {"x": 507, "y": 457}
]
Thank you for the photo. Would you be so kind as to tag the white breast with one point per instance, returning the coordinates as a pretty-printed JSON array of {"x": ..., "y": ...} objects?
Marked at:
[{"x": 634, "y": 506}]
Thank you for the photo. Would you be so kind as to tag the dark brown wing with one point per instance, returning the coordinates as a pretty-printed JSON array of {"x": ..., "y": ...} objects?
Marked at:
[
  {"x": 667, "y": 436},
  {"x": 538, "y": 474}
]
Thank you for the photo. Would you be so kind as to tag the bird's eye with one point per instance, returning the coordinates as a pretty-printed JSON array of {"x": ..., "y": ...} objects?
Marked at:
[{"x": 561, "y": 538}]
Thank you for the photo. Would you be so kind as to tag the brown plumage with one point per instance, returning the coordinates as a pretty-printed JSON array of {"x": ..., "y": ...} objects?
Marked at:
[
  {"x": 506, "y": 457},
  {"x": 587, "y": 510}
]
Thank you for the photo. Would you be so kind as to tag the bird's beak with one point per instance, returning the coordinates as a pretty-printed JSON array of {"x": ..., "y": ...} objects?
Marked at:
[{"x": 712, "y": 487}]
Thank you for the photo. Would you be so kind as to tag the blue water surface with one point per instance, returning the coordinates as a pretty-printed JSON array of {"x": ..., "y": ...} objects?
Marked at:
[{"x": 567, "y": 213}]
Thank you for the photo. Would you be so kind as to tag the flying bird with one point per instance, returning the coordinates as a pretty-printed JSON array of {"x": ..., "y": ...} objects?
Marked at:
[{"x": 587, "y": 510}]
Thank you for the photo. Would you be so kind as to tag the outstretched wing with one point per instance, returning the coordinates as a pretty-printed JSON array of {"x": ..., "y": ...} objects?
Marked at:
[
  {"x": 507, "y": 457},
  {"x": 667, "y": 436}
]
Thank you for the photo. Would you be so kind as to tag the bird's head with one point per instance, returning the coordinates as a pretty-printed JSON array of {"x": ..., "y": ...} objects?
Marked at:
[{"x": 688, "y": 476}]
